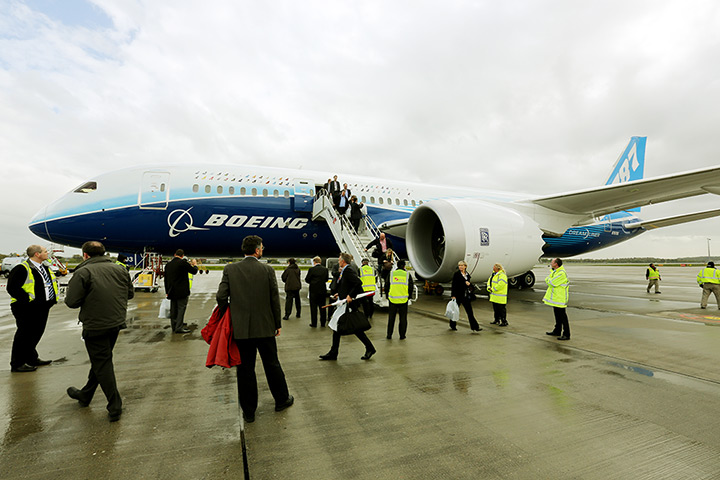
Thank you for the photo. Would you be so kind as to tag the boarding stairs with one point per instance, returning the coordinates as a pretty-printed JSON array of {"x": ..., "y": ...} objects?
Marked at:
[{"x": 348, "y": 240}]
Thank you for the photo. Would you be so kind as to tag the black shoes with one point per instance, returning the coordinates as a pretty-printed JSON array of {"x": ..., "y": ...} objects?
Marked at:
[
  {"x": 76, "y": 394},
  {"x": 504, "y": 324},
  {"x": 495, "y": 322},
  {"x": 368, "y": 354},
  {"x": 40, "y": 363},
  {"x": 553, "y": 333},
  {"x": 402, "y": 338},
  {"x": 564, "y": 337},
  {"x": 476, "y": 330},
  {"x": 23, "y": 368},
  {"x": 114, "y": 417},
  {"x": 183, "y": 330},
  {"x": 453, "y": 326},
  {"x": 290, "y": 400},
  {"x": 286, "y": 317},
  {"x": 328, "y": 356},
  {"x": 249, "y": 417}
]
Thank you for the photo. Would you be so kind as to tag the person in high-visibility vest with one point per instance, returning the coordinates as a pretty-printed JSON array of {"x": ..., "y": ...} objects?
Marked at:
[
  {"x": 498, "y": 287},
  {"x": 557, "y": 296},
  {"x": 709, "y": 280},
  {"x": 652, "y": 275},
  {"x": 401, "y": 284},
  {"x": 369, "y": 283},
  {"x": 34, "y": 290}
]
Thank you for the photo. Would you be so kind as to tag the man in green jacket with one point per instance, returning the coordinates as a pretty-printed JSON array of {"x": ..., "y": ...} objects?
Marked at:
[
  {"x": 557, "y": 297},
  {"x": 101, "y": 289}
]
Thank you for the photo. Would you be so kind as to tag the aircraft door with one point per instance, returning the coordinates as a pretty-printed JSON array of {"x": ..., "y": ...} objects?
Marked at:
[
  {"x": 154, "y": 190},
  {"x": 304, "y": 192}
]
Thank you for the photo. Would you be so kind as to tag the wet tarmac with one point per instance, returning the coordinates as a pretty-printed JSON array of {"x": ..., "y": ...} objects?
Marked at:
[{"x": 633, "y": 395}]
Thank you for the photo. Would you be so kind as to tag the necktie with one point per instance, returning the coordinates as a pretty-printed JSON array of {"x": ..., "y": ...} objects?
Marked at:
[{"x": 46, "y": 279}]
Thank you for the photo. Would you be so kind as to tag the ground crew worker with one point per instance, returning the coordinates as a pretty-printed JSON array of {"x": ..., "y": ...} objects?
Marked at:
[
  {"x": 709, "y": 280},
  {"x": 652, "y": 274},
  {"x": 369, "y": 284},
  {"x": 497, "y": 285},
  {"x": 122, "y": 261},
  {"x": 34, "y": 290},
  {"x": 557, "y": 296},
  {"x": 401, "y": 284}
]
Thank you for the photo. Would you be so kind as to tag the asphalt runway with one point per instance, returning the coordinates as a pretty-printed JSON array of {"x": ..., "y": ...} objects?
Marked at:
[{"x": 633, "y": 395}]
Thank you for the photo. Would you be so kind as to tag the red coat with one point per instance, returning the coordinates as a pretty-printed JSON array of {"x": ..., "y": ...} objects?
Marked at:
[{"x": 218, "y": 333}]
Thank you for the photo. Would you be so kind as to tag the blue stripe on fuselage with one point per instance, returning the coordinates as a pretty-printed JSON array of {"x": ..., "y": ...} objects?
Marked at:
[{"x": 579, "y": 240}]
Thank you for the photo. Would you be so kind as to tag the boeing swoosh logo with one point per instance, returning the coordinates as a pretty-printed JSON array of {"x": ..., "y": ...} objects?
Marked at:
[{"x": 178, "y": 216}]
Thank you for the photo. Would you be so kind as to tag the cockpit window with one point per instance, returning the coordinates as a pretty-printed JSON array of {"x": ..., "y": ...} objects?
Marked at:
[{"x": 86, "y": 187}]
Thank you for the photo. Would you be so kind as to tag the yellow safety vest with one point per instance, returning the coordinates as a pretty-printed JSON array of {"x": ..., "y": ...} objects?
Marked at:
[
  {"x": 653, "y": 274},
  {"x": 367, "y": 275},
  {"x": 708, "y": 275},
  {"x": 498, "y": 287},
  {"x": 399, "y": 291},
  {"x": 557, "y": 292},
  {"x": 190, "y": 279},
  {"x": 29, "y": 285}
]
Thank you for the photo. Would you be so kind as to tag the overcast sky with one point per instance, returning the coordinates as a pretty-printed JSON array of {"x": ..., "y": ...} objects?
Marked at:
[{"x": 528, "y": 96}]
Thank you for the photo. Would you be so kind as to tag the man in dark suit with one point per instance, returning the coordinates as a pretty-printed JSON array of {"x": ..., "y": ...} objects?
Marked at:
[
  {"x": 34, "y": 291},
  {"x": 177, "y": 288},
  {"x": 251, "y": 289},
  {"x": 349, "y": 286},
  {"x": 335, "y": 191},
  {"x": 317, "y": 277}
]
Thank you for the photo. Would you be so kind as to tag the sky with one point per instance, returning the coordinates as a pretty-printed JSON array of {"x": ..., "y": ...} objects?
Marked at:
[{"x": 524, "y": 96}]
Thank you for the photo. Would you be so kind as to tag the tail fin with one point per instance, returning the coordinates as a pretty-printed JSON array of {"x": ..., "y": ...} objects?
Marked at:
[{"x": 630, "y": 165}]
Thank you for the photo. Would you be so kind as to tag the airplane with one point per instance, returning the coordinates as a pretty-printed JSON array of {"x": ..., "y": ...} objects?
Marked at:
[{"x": 207, "y": 210}]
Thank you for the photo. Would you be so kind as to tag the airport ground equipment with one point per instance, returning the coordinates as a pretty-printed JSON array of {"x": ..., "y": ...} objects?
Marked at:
[{"x": 151, "y": 270}]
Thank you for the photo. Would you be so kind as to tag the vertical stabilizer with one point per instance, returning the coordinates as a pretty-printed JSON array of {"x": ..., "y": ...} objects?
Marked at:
[{"x": 630, "y": 165}]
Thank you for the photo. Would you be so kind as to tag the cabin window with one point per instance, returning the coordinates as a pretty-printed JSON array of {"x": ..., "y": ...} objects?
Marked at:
[
  {"x": 219, "y": 189},
  {"x": 276, "y": 194},
  {"x": 413, "y": 203},
  {"x": 381, "y": 201},
  {"x": 405, "y": 202},
  {"x": 207, "y": 188},
  {"x": 419, "y": 202},
  {"x": 254, "y": 192},
  {"x": 196, "y": 188},
  {"x": 286, "y": 194},
  {"x": 231, "y": 190},
  {"x": 162, "y": 187},
  {"x": 86, "y": 187},
  {"x": 265, "y": 192},
  {"x": 397, "y": 201},
  {"x": 362, "y": 200},
  {"x": 243, "y": 191},
  {"x": 372, "y": 199},
  {"x": 389, "y": 201}
]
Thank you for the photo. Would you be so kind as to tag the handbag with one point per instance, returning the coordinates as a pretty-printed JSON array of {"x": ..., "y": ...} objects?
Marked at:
[
  {"x": 471, "y": 292},
  {"x": 353, "y": 321}
]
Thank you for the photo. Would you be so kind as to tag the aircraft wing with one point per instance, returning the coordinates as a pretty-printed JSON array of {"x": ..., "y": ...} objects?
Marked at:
[
  {"x": 596, "y": 202},
  {"x": 677, "y": 220}
]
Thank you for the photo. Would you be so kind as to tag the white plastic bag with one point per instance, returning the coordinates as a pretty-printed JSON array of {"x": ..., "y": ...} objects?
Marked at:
[
  {"x": 452, "y": 311},
  {"x": 164, "y": 308},
  {"x": 336, "y": 315}
]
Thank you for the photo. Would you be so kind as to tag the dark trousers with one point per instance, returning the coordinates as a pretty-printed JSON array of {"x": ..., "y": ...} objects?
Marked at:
[
  {"x": 562, "y": 325},
  {"x": 369, "y": 306},
  {"x": 31, "y": 320},
  {"x": 317, "y": 301},
  {"x": 402, "y": 309},
  {"x": 99, "y": 345},
  {"x": 247, "y": 381},
  {"x": 361, "y": 336},
  {"x": 355, "y": 223},
  {"x": 500, "y": 312},
  {"x": 469, "y": 310},
  {"x": 177, "y": 313},
  {"x": 291, "y": 295}
]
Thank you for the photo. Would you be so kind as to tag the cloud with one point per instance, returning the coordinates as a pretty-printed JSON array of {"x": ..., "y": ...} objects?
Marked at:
[{"x": 521, "y": 96}]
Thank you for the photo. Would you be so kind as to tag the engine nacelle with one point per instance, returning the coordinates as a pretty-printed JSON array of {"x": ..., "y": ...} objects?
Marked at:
[{"x": 440, "y": 233}]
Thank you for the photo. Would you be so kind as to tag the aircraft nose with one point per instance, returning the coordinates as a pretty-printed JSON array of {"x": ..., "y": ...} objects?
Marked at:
[{"x": 38, "y": 226}]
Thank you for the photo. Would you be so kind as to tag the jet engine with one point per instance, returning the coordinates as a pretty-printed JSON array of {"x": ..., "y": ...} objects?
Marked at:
[{"x": 440, "y": 233}]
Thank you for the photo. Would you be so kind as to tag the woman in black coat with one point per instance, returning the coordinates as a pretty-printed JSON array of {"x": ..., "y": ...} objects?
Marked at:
[
  {"x": 460, "y": 293},
  {"x": 355, "y": 213}
]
